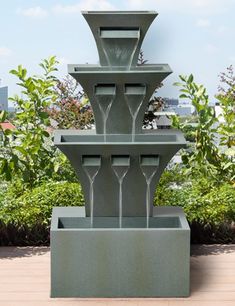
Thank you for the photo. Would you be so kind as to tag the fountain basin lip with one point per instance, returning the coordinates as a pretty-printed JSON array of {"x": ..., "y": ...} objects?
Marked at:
[
  {"x": 97, "y": 69},
  {"x": 163, "y": 214},
  {"x": 158, "y": 222},
  {"x": 119, "y": 12},
  {"x": 89, "y": 138}
]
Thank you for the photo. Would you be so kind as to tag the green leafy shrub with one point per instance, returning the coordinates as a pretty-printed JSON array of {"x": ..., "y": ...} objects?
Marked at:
[
  {"x": 215, "y": 161},
  {"x": 203, "y": 201},
  {"x": 34, "y": 207},
  {"x": 214, "y": 207},
  {"x": 25, "y": 152},
  {"x": 63, "y": 169},
  {"x": 3, "y": 190},
  {"x": 25, "y": 214},
  {"x": 209, "y": 207},
  {"x": 22, "y": 235}
]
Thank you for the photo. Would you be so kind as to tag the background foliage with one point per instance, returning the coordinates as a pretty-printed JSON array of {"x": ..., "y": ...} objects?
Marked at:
[
  {"x": 25, "y": 216},
  {"x": 35, "y": 176}
]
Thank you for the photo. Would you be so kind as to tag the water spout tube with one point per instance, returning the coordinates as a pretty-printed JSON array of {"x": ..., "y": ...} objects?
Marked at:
[
  {"x": 149, "y": 165},
  {"x": 134, "y": 95},
  {"x": 119, "y": 44},
  {"x": 120, "y": 165},
  {"x": 91, "y": 165},
  {"x": 105, "y": 95}
]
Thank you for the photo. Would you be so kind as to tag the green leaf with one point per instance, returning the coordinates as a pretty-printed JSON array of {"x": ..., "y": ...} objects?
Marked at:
[
  {"x": 21, "y": 150},
  {"x": 177, "y": 84},
  {"x": 56, "y": 167},
  {"x": 183, "y": 96},
  {"x": 3, "y": 116},
  {"x": 183, "y": 78},
  {"x": 184, "y": 90},
  {"x": 23, "y": 73},
  {"x": 190, "y": 78},
  {"x": 13, "y": 71},
  {"x": 7, "y": 132},
  {"x": 43, "y": 115},
  {"x": 46, "y": 134},
  {"x": 6, "y": 170}
]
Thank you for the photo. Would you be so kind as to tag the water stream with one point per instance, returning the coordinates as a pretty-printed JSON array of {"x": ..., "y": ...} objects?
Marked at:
[
  {"x": 149, "y": 165},
  {"x": 120, "y": 166},
  {"x": 119, "y": 45},
  {"x": 134, "y": 96},
  {"x": 91, "y": 165},
  {"x": 105, "y": 94},
  {"x": 148, "y": 182}
]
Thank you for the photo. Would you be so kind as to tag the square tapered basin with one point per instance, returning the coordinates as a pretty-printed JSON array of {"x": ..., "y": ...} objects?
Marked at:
[
  {"x": 108, "y": 261},
  {"x": 76, "y": 145},
  {"x": 120, "y": 138},
  {"x": 162, "y": 137},
  {"x": 113, "y": 222}
]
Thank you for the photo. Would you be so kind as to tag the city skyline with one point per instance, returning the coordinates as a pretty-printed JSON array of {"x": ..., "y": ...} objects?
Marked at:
[{"x": 191, "y": 36}]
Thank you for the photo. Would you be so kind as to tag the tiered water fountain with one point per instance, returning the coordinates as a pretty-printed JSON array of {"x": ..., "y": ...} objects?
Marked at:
[{"x": 119, "y": 244}]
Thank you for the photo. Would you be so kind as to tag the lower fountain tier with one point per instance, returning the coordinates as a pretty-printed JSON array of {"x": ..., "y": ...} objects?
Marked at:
[
  {"x": 107, "y": 261},
  {"x": 160, "y": 145}
]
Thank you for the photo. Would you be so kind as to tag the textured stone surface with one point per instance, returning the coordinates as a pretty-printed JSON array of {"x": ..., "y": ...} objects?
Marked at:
[{"x": 126, "y": 262}]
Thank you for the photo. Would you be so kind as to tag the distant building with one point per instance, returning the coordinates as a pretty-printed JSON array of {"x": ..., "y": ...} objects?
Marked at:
[
  {"x": 169, "y": 102},
  {"x": 4, "y": 98},
  {"x": 163, "y": 119},
  {"x": 163, "y": 110},
  {"x": 181, "y": 109}
]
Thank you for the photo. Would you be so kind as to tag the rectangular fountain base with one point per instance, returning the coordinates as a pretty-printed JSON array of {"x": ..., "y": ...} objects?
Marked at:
[{"x": 108, "y": 261}]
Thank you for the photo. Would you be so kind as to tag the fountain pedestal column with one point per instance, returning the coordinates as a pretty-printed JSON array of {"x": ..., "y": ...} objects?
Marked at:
[{"x": 119, "y": 245}]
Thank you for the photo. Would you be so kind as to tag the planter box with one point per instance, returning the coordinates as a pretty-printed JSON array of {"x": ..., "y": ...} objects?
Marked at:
[{"x": 108, "y": 261}]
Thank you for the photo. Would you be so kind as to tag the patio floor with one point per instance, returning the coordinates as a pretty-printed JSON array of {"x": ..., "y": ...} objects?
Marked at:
[{"x": 25, "y": 280}]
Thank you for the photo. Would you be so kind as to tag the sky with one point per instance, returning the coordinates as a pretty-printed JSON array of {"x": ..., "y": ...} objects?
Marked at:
[{"x": 192, "y": 36}]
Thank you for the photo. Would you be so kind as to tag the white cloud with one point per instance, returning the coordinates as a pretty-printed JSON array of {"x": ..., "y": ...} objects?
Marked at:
[
  {"x": 33, "y": 12},
  {"x": 204, "y": 7},
  {"x": 83, "y": 5},
  {"x": 203, "y": 3},
  {"x": 222, "y": 29},
  {"x": 66, "y": 9},
  {"x": 63, "y": 60},
  {"x": 203, "y": 23},
  {"x": 232, "y": 59},
  {"x": 4, "y": 51},
  {"x": 211, "y": 49}
]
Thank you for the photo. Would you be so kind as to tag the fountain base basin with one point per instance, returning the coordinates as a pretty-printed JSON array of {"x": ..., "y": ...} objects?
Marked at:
[{"x": 108, "y": 261}]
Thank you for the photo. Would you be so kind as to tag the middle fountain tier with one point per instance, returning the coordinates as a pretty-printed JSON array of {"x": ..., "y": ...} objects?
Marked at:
[{"x": 119, "y": 97}]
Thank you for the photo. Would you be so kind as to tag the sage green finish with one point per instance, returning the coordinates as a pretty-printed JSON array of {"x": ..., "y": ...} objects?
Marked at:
[
  {"x": 119, "y": 245},
  {"x": 106, "y": 261},
  {"x": 78, "y": 144},
  {"x": 119, "y": 35},
  {"x": 118, "y": 87}
]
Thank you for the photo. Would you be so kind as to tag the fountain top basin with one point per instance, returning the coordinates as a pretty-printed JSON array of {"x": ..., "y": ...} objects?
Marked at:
[{"x": 118, "y": 12}]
